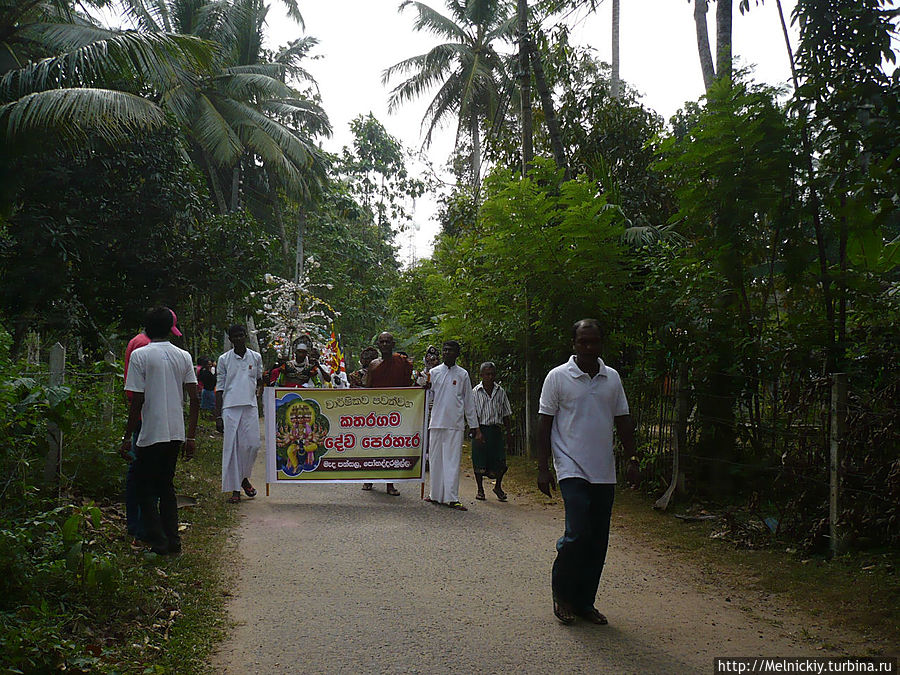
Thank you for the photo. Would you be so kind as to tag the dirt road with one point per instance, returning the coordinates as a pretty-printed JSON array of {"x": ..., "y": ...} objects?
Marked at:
[{"x": 333, "y": 579}]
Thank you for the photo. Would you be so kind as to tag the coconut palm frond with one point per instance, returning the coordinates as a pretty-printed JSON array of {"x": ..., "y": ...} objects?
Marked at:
[
  {"x": 309, "y": 115},
  {"x": 151, "y": 57},
  {"x": 245, "y": 85},
  {"x": 73, "y": 114},
  {"x": 434, "y": 22},
  {"x": 643, "y": 235},
  {"x": 214, "y": 133},
  {"x": 429, "y": 70},
  {"x": 63, "y": 37},
  {"x": 149, "y": 17},
  {"x": 293, "y": 12},
  {"x": 445, "y": 104}
]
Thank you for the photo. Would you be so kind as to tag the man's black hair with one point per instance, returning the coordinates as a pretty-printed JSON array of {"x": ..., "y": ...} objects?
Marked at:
[
  {"x": 453, "y": 343},
  {"x": 236, "y": 327},
  {"x": 584, "y": 323},
  {"x": 158, "y": 323}
]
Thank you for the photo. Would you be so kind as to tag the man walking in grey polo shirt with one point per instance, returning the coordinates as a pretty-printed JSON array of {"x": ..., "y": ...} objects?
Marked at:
[{"x": 581, "y": 402}]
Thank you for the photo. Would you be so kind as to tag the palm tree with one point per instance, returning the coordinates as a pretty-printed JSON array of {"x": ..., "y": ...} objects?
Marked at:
[
  {"x": 60, "y": 72},
  {"x": 472, "y": 75},
  {"x": 244, "y": 107}
]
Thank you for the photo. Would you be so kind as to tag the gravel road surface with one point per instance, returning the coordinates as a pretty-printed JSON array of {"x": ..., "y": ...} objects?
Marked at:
[{"x": 332, "y": 579}]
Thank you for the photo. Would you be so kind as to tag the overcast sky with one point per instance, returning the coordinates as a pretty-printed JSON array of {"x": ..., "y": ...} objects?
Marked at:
[{"x": 360, "y": 38}]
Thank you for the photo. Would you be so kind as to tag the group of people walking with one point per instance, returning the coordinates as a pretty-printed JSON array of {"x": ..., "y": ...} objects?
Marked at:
[{"x": 582, "y": 404}]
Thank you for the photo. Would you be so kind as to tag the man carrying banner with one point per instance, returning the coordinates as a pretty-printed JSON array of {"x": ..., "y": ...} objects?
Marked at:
[
  {"x": 390, "y": 370},
  {"x": 357, "y": 378},
  {"x": 454, "y": 405},
  {"x": 238, "y": 378}
]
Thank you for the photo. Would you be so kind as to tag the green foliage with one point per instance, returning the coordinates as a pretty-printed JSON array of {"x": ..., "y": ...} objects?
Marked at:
[
  {"x": 142, "y": 210},
  {"x": 536, "y": 240},
  {"x": 376, "y": 173},
  {"x": 26, "y": 406},
  {"x": 611, "y": 141}
]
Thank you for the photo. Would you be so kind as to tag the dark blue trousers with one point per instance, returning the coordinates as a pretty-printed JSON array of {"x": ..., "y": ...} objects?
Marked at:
[
  {"x": 581, "y": 551},
  {"x": 154, "y": 472},
  {"x": 132, "y": 508}
]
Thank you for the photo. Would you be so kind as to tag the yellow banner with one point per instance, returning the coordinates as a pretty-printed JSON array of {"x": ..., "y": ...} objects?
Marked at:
[{"x": 344, "y": 435}]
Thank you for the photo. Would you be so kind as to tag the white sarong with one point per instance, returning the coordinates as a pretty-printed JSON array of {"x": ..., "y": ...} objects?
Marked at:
[
  {"x": 240, "y": 446},
  {"x": 444, "y": 453}
]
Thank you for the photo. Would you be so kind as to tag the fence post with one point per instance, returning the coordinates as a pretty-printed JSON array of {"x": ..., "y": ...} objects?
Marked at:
[
  {"x": 54, "y": 433},
  {"x": 33, "y": 348},
  {"x": 838, "y": 420},
  {"x": 110, "y": 358}
]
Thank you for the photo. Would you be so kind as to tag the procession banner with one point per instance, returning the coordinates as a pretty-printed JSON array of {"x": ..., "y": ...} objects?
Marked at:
[{"x": 344, "y": 435}]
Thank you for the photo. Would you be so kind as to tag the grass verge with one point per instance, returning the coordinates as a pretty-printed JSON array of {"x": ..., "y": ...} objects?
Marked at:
[{"x": 104, "y": 606}]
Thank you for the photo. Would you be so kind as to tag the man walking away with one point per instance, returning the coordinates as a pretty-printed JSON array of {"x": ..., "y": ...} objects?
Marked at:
[
  {"x": 158, "y": 374},
  {"x": 453, "y": 406},
  {"x": 207, "y": 380},
  {"x": 581, "y": 401},
  {"x": 494, "y": 412},
  {"x": 238, "y": 381}
]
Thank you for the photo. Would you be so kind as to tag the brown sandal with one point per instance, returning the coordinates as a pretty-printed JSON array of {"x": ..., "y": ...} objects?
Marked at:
[
  {"x": 593, "y": 616},
  {"x": 563, "y": 612}
]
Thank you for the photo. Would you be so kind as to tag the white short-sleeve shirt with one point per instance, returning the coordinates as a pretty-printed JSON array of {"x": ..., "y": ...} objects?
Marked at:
[
  {"x": 453, "y": 403},
  {"x": 160, "y": 370},
  {"x": 237, "y": 378},
  {"x": 583, "y": 410}
]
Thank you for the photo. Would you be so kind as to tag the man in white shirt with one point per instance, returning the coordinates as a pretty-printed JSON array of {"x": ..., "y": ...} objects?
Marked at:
[
  {"x": 238, "y": 379},
  {"x": 581, "y": 401},
  {"x": 158, "y": 374},
  {"x": 453, "y": 406}
]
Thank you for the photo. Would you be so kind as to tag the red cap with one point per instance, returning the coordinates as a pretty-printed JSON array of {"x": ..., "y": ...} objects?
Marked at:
[{"x": 175, "y": 330}]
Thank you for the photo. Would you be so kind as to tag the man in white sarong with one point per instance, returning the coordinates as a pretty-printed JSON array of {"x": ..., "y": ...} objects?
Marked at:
[
  {"x": 238, "y": 380},
  {"x": 454, "y": 405}
]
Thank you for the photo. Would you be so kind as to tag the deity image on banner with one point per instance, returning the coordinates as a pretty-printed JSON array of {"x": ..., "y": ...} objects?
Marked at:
[{"x": 300, "y": 435}]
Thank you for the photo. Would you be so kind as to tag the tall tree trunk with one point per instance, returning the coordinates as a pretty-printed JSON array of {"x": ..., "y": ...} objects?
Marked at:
[
  {"x": 616, "y": 85},
  {"x": 723, "y": 39},
  {"x": 216, "y": 185},
  {"x": 279, "y": 219},
  {"x": 301, "y": 231},
  {"x": 814, "y": 204},
  {"x": 525, "y": 86},
  {"x": 236, "y": 188},
  {"x": 787, "y": 44},
  {"x": 706, "y": 62},
  {"x": 527, "y": 121},
  {"x": 556, "y": 144},
  {"x": 475, "y": 132}
]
